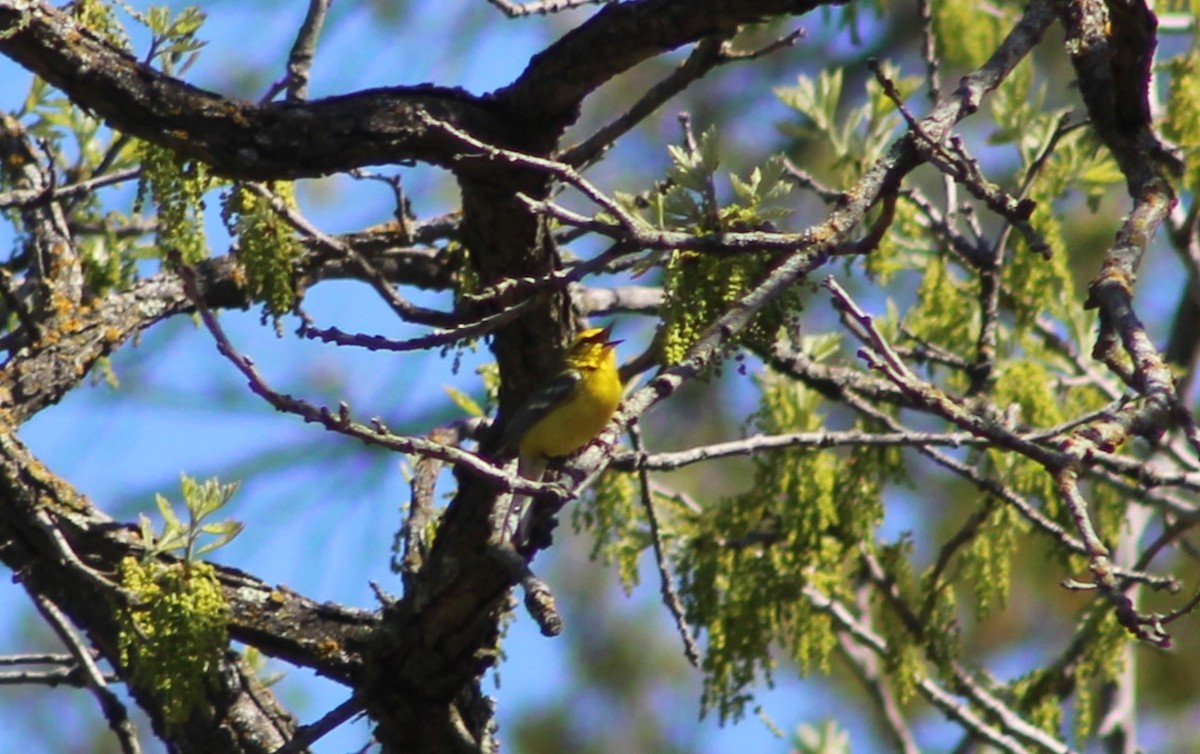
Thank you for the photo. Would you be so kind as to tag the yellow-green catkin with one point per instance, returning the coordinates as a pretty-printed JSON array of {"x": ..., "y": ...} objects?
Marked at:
[
  {"x": 267, "y": 245},
  {"x": 173, "y": 639}
]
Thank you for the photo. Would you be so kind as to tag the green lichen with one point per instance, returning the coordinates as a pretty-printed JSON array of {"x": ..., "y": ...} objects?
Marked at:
[{"x": 99, "y": 17}]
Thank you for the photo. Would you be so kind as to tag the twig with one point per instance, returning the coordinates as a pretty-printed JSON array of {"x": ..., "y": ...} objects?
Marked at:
[
  {"x": 807, "y": 180},
  {"x": 114, "y": 711},
  {"x": 880, "y": 356},
  {"x": 952, "y": 158},
  {"x": 56, "y": 677},
  {"x": 307, "y": 735},
  {"x": 439, "y": 339},
  {"x": 377, "y": 434},
  {"x": 38, "y": 658},
  {"x": 412, "y": 540},
  {"x": 862, "y": 394},
  {"x": 965, "y": 683},
  {"x": 1146, "y": 627},
  {"x": 31, "y": 197},
  {"x": 541, "y": 7},
  {"x": 933, "y": 79},
  {"x": 866, "y": 665},
  {"x": 559, "y": 170},
  {"x": 1118, "y": 724},
  {"x": 707, "y": 55},
  {"x": 68, "y": 559},
  {"x": 671, "y": 461},
  {"x": 301, "y": 57},
  {"x": 539, "y": 600},
  {"x": 403, "y": 308},
  {"x": 954, "y": 709},
  {"x": 65, "y": 672},
  {"x": 666, "y": 580},
  {"x": 402, "y": 215}
]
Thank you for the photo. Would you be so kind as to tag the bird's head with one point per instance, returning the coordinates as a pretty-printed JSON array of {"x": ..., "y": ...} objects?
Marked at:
[{"x": 591, "y": 346}]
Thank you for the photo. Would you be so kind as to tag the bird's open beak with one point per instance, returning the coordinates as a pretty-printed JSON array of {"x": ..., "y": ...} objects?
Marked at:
[{"x": 606, "y": 333}]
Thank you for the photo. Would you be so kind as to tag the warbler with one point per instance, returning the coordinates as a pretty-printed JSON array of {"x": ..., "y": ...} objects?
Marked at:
[{"x": 565, "y": 413}]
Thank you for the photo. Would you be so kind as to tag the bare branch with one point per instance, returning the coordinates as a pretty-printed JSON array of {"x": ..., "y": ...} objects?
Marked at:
[
  {"x": 300, "y": 59},
  {"x": 114, "y": 711},
  {"x": 541, "y": 7},
  {"x": 763, "y": 443},
  {"x": 670, "y": 596},
  {"x": 341, "y": 422},
  {"x": 309, "y": 734}
]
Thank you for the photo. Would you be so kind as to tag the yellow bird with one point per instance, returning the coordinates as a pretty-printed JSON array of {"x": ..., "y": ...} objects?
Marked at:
[{"x": 567, "y": 412}]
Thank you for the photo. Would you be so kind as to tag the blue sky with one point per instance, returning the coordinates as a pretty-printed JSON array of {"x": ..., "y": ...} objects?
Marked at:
[{"x": 325, "y": 528}]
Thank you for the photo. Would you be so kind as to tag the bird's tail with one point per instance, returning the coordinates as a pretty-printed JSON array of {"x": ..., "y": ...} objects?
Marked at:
[{"x": 516, "y": 518}]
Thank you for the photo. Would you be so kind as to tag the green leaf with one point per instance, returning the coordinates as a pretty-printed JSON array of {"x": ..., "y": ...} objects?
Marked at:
[
  {"x": 465, "y": 402},
  {"x": 165, "y": 510}
]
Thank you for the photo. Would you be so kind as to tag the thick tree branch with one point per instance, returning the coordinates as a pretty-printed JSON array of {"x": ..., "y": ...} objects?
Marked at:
[
  {"x": 293, "y": 140},
  {"x": 39, "y": 377},
  {"x": 560, "y": 77},
  {"x": 236, "y": 139}
]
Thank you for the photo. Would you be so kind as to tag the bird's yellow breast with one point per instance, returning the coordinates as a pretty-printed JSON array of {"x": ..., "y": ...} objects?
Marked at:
[{"x": 579, "y": 418}]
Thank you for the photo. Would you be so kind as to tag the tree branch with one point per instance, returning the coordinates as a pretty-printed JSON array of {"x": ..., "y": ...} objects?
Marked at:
[{"x": 236, "y": 139}]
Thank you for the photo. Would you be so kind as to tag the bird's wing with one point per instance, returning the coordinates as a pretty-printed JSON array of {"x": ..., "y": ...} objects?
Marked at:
[{"x": 539, "y": 404}]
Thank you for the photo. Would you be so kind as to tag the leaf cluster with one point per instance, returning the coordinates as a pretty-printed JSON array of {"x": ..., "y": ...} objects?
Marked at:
[
  {"x": 201, "y": 500},
  {"x": 700, "y": 286},
  {"x": 176, "y": 187},
  {"x": 744, "y": 570}
]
